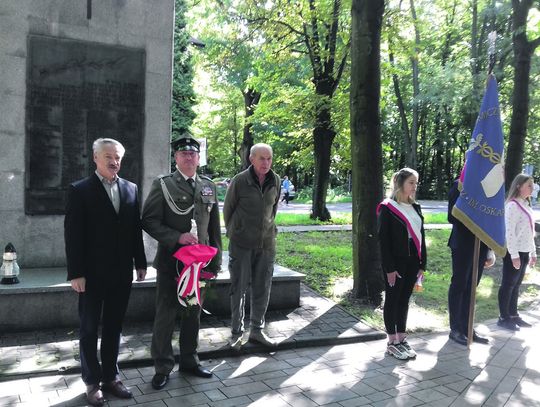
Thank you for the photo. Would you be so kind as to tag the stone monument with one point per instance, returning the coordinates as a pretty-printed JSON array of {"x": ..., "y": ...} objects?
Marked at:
[{"x": 73, "y": 71}]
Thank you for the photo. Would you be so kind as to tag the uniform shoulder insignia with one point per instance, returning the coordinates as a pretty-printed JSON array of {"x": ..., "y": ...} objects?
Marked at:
[
  {"x": 164, "y": 176},
  {"x": 205, "y": 177}
]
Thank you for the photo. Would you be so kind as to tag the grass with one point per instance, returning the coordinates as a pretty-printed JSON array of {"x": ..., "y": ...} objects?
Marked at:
[
  {"x": 435, "y": 218},
  {"x": 341, "y": 218},
  {"x": 326, "y": 259},
  {"x": 338, "y": 218},
  {"x": 292, "y": 219}
]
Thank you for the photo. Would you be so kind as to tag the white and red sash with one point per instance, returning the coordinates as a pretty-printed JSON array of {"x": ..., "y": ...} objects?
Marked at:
[
  {"x": 195, "y": 258},
  {"x": 393, "y": 207}
]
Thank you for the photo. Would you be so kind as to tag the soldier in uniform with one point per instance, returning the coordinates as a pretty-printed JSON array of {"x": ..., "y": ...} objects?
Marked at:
[{"x": 174, "y": 200}]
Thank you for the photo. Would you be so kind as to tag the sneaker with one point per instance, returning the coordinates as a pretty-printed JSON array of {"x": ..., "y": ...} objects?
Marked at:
[
  {"x": 519, "y": 322},
  {"x": 258, "y": 336},
  {"x": 410, "y": 351},
  {"x": 397, "y": 351},
  {"x": 236, "y": 342},
  {"x": 507, "y": 323}
]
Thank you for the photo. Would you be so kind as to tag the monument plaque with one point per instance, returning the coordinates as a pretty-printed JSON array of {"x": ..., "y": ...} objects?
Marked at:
[{"x": 77, "y": 92}]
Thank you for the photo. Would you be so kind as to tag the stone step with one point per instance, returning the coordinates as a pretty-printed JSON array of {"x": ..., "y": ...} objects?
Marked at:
[{"x": 44, "y": 299}]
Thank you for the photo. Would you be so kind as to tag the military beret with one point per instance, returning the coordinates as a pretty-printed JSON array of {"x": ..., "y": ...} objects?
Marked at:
[{"x": 185, "y": 143}]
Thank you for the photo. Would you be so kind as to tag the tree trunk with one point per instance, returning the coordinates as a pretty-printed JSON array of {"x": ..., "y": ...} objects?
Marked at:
[
  {"x": 523, "y": 50},
  {"x": 251, "y": 99},
  {"x": 323, "y": 137},
  {"x": 366, "y": 146},
  {"x": 402, "y": 113},
  {"x": 416, "y": 90}
]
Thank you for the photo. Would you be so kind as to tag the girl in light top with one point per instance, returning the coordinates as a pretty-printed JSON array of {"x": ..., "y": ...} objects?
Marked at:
[
  {"x": 519, "y": 220},
  {"x": 403, "y": 253}
]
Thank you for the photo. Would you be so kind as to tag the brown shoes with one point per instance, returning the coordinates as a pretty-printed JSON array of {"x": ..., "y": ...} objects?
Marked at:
[
  {"x": 94, "y": 396},
  {"x": 117, "y": 389}
]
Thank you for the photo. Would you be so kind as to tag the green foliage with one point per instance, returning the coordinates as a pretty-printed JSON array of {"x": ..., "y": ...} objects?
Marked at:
[
  {"x": 255, "y": 44},
  {"x": 182, "y": 89}
]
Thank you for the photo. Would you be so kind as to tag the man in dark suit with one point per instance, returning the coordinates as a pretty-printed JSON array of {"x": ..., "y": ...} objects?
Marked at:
[
  {"x": 103, "y": 237},
  {"x": 461, "y": 242},
  {"x": 174, "y": 201}
]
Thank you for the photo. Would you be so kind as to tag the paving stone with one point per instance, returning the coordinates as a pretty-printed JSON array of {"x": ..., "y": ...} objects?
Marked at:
[
  {"x": 234, "y": 402},
  {"x": 405, "y": 400},
  {"x": 357, "y": 401},
  {"x": 428, "y": 395},
  {"x": 245, "y": 389},
  {"x": 335, "y": 394},
  {"x": 188, "y": 400},
  {"x": 298, "y": 400}
]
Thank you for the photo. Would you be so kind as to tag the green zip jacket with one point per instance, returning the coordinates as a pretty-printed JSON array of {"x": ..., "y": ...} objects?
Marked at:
[{"x": 249, "y": 211}]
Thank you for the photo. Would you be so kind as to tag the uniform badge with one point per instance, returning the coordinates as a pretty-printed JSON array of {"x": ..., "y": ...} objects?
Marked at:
[{"x": 207, "y": 191}]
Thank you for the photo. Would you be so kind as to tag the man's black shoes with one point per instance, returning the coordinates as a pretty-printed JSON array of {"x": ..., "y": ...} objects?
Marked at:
[
  {"x": 508, "y": 323},
  {"x": 521, "y": 323},
  {"x": 462, "y": 339},
  {"x": 479, "y": 339},
  {"x": 198, "y": 371},
  {"x": 159, "y": 380},
  {"x": 458, "y": 337}
]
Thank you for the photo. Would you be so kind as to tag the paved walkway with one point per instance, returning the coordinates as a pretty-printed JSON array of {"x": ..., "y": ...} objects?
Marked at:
[{"x": 324, "y": 360}]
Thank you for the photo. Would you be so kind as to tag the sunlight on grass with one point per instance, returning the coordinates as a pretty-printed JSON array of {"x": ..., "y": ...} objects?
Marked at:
[
  {"x": 326, "y": 259},
  {"x": 435, "y": 218},
  {"x": 293, "y": 219}
]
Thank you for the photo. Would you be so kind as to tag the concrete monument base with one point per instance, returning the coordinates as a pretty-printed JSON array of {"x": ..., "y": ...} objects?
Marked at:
[{"x": 45, "y": 300}]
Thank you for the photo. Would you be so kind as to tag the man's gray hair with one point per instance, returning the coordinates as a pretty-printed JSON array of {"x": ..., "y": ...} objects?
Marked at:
[
  {"x": 101, "y": 142},
  {"x": 258, "y": 147}
]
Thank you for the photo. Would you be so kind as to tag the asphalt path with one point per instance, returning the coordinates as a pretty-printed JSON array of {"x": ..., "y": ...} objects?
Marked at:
[{"x": 428, "y": 206}]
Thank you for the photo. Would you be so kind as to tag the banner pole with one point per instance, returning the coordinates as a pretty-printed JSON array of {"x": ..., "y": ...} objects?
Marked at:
[{"x": 474, "y": 282}]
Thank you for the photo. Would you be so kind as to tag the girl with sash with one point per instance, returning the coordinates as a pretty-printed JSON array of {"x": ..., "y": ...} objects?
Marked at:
[
  {"x": 403, "y": 253},
  {"x": 521, "y": 252}
]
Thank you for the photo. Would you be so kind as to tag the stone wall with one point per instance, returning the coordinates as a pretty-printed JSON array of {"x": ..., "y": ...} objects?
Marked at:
[{"x": 140, "y": 24}]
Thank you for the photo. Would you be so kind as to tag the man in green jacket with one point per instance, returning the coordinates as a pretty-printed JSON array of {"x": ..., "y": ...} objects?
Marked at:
[{"x": 249, "y": 213}]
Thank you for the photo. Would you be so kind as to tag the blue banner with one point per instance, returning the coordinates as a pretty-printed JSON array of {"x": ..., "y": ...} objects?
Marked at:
[{"x": 480, "y": 206}]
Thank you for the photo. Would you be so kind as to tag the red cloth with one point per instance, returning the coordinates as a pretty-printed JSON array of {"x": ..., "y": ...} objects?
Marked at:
[{"x": 195, "y": 258}]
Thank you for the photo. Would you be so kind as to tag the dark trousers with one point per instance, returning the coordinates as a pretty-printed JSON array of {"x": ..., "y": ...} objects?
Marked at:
[
  {"x": 396, "y": 301},
  {"x": 459, "y": 292},
  {"x": 167, "y": 311},
  {"x": 250, "y": 268},
  {"x": 112, "y": 301},
  {"x": 510, "y": 284}
]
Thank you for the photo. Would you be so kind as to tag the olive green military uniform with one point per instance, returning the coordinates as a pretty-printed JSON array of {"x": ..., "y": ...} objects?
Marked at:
[{"x": 166, "y": 226}]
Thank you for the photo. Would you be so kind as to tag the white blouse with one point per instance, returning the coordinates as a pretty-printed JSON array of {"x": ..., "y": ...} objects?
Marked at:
[
  {"x": 519, "y": 230},
  {"x": 413, "y": 218}
]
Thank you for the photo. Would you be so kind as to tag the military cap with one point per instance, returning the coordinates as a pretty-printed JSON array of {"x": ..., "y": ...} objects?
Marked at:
[{"x": 185, "y": 143}]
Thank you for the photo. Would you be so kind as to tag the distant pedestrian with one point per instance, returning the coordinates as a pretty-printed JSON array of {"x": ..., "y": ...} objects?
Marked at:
[
  {"x": 534, "y": 196},
  {"x": 403, "y": 253},
  {"x": 286, "y": 186},
  {"x": 519, "y": 220}
]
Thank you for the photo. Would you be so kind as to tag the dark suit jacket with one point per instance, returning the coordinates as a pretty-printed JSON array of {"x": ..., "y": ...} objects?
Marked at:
[
  {"x": 460, "y": 236},
  {"x": 102, "y": 245}
]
